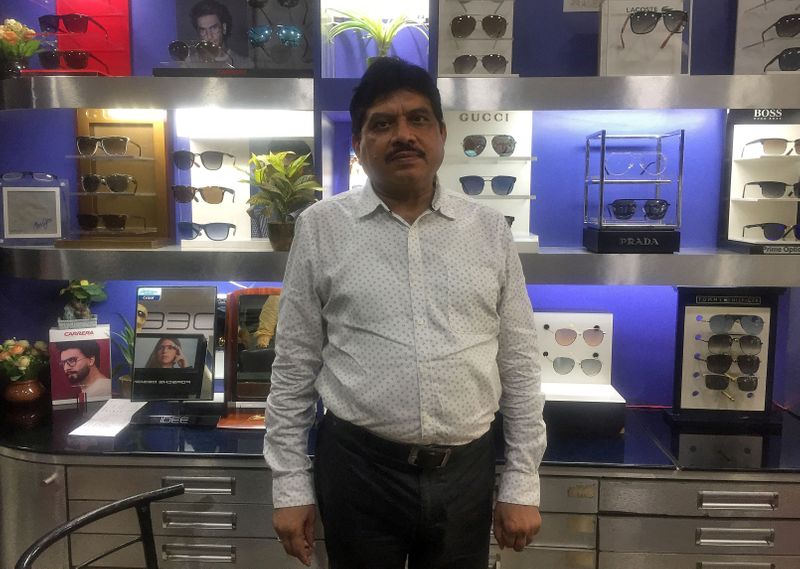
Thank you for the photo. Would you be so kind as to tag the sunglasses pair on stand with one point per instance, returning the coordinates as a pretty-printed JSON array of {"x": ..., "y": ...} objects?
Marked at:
[
  {"x": 775, "y": 231},
  {"x": 722, "y": 343},
  {"x": 110, "y": 145},
  {"x": 567, "y": 336},
  {"x": 473, "y": 185},
  {"x": 493, "y": 25},
  {"x": 72, "y": 58},
  {"x": 721, "y": 382},
  {"x": 211, "y": 159},
  {"x": 723, "y": 323},
  {"x": 210, "y": 194},
  {"x": 110, "y": 221},
  {"x": 721, "y": 363},
  {"x": 38, "y": 176},
  {"x": 775, "y": 146},
  {"x": 493, "y": 63},
  {"x": 772, "y": 189},
  {"x": 475, "y": 144},
  {"x": 563, "y": 366},
  {"x": 214, "y": 231},
  {"x": 625, "y": 209},
  {"x": 117, "y": 183},
  {"x": 206, "y": 51},
  {"x": 645, "y": 21}
]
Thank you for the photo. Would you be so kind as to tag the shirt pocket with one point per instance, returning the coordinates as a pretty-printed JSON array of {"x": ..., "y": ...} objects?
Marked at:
[{"x": 472, "y": 296}]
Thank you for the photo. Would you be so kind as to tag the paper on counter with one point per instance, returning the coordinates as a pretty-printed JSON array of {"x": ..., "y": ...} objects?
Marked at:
[{"x": 112, "y": 417}]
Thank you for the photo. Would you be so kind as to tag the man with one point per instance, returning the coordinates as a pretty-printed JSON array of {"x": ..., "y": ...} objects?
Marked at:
[
  {"x": 405, "y": 309},
  {"x": 79, "y": 361},
  {"x": 213, "y": 23}
]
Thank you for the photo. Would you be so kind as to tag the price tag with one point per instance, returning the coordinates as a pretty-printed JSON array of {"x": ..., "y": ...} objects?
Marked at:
[{"x": 581, "y": 5}]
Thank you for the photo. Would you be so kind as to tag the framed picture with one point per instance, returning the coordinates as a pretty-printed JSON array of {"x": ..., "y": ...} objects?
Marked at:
[{"x": 31, "y": 212}]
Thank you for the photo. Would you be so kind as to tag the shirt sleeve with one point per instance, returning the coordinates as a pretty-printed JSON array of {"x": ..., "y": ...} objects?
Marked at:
[
  {"x": 268, "y": 319},
  {"x": 522, "y": 401},
  {"x": 292, "y": 398}
]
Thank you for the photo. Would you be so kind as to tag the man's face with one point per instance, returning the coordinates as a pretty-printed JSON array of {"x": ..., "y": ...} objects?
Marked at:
[
  {"x": 401, "y": 144},
  {"x": 209, "y": 28},
  {"x": 76, "y": 365}
]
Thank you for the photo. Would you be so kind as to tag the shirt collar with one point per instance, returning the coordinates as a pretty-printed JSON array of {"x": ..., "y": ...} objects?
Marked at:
[{"x": 368, "y": 201}]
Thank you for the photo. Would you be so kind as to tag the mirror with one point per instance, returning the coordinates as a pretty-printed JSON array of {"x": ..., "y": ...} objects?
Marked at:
[{"x": 250, "y": 321}]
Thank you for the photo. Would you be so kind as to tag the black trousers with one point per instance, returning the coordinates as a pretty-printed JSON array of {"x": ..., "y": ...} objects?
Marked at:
[{"x": 379, "y": 511}]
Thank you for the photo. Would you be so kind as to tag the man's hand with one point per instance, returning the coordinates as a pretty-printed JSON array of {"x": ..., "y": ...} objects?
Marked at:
[
  {"x": 295, "y": 529},
  {"x": 515, "y": 525}
]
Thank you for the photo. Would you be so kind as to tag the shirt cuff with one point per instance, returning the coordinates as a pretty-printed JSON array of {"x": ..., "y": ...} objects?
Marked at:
[
  {"x": 295, "y": 489},
  {"x": 519, "y": 488}
]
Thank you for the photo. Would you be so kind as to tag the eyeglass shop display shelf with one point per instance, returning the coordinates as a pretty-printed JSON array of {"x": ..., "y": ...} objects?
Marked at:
[{"x": 656, "y": 496}]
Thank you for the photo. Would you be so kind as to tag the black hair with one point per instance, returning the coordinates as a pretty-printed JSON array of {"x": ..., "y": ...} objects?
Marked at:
[
  {"x": 88, "y": 348},
  {"x": 213, "y": 8},
  {"x": 387, "y": 75}
]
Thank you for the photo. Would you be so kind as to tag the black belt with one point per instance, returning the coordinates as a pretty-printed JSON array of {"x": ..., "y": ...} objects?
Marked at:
[{"x": 426, "y": 457}]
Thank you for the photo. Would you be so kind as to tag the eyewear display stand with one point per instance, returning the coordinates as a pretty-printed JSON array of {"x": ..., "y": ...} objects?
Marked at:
[
  {"x": 632, "y": 192},
  {"x": 760, "y": 206},
  {"x": 488, "y": 158},
  {"x": 637, "y": 39},
  {"x": 766, "y": 37},
  {"x": 121, "y": 198},
  {"x": 724, "y": 361},
  {"x": 575, "y": 350},
  {"x": 475, "y": 38}
]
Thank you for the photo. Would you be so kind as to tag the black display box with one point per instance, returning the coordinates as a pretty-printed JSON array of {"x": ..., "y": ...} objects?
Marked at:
[{"x": 631, "y": 240}]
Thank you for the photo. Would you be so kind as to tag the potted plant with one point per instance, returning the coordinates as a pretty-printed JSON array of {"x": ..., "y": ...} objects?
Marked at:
[
  {"x": 284, "y": 189},
  {"x": 124, "y": 344},
  {"x": 17, "y": 44},
  {"x": 22, "y": 363},
  {"x": 382, "y": 33},
  {"x": 80, "y": 295}
]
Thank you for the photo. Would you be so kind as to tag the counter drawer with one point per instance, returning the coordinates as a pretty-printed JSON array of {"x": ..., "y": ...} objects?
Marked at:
[
  {"x": 208, "y": 485},
  {"x": 572, "y": 495},
  {"x": 198, "y": 553},
  {"x": 542, "y": 558},
  {"x": 676, "y": 561},
  {"x": 693, "y": 535},
  {"x": 182, "y": 518},
  {"x": 566, "y": 530},
  {"x": 714, "y": 499}
]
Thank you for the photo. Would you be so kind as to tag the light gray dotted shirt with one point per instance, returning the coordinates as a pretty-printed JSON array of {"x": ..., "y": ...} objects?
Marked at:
[{"x": 419, "y": 333}]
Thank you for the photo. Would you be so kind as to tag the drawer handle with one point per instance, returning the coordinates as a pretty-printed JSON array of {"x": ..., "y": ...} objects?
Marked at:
[
  {"x": 494, "y": 563},
  {"x": 199, "y": 552},
  {"x": 203, "y": 484},
  {"x": 735, "y": 537},
  {"x": 198, "y": 520},
  {"x": 759, "y": 501},
  {"x": 729, "y": 565}
]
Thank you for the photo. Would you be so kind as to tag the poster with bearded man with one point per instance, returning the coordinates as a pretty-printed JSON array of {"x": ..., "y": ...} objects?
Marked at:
[{"x": 80, "y": 364}]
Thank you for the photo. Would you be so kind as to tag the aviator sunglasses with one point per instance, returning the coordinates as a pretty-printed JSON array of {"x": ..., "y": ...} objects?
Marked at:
[
  {"x": 117, "y": 183},
  {"x": 624, "y": 209},
  {"x": 210, "y": 194},
  {"x": 721, "y": 382},
  {"x": 722, "y": 343},
  {"x": 723, "y": 323},
  {"x": 72, "y": 58},
  {"x": 775, "y": 231},
  {"x": 771, "y": 189},
  {"x": 111, "y": 145},
  {"x": 786, "y": 26},
  {"x": 475, "y": 144},
  {"x": 214, "y": 231},
  {"x": 788, "y": 59},
  {"x": 73, "y": 23},
  {"x": 721, "y": 363},
  {"x": 493, "y": 25},
  {"x": 207, "y": 51},
  {"x": 473, "y": 185},
  {"x": 211, "y": 159},
  {"x": 563, "y": 366},
  {"x": 492, "y": 63},
  {"x": 567, "y": 336},
  {"x": 644, "y": 22},
  {"x": 775, "y": 146}
]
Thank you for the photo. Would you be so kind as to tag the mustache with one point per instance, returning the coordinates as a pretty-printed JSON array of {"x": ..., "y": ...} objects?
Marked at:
[{"x": 405, "y": 148}]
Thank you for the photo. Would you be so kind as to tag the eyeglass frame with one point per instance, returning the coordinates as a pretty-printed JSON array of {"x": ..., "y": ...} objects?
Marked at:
[
  {"x": 733, "y": 360},
  {"x": 201, "y": 229},
  {"x": 99, "y": 141},
  {"x": 794, "y": 191},
  {"x": 104, "y": 180},
  {"x": 60, "y": 18},
  {"x": 660, "y": 16},
  {"x": 595, "y": 358},
  {"x": 202, "y": 161},
  {"x": 27, "y": 173},
  {"x": 792, "y": 144},
  {"x": 778, "y": 57},
  {"x": 72, "y": 362},
  {"x": 786, "y": 230},
  {"x": 64, "y": 54},
  {"x": 737, "y": 380},
  {"x": 99, "y": 216},
  {"x": 196, "y": 191}
]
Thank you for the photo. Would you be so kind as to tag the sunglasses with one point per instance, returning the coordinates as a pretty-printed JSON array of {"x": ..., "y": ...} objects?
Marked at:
[
  {"x": 775, "y": 189},
  {"x": 563, "y": 366},
  {"x": 786, "y": 26},
  {"x": 475, "y": 144},
  {"x": 288, "y": 35},
  {"x": 501, "y": 185},
  {"x": 567, "y": 336},
  {"x": 214, "y": 231},
  {"x": 723, "y": 323},
  {"x": 620, "y": 163},
  {"x": 624, "y": 209},
  {"x": 775, "y": 231},
  {"x": 73, "y": 23},
  {"x": 493, "y": 25},
  {"x": 776, "y": 146},
  {"x": 721, "y": 363},
  {"x": 111, "y": 145},
  {"x": 644, "y": 22},
  {"x": 38, "y": 176},
  {"x": 72, "y": 58},
  {"x": 206, "y": 51},
  {"x": 788, "y": 59},
  {"x": 492, "y": 63},
  {"x": 210, "y": 194},
  {"x": 118, "y": 183},
  {"x": 721, "y": 382},
  {"x": 211, "y": 159},
  {"x": 721, "y": 343},
  {"x": 111, "y": 221}
]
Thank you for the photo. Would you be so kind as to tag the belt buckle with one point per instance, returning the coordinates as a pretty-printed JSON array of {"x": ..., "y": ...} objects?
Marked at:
[{"x": 429, "y": 454}]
